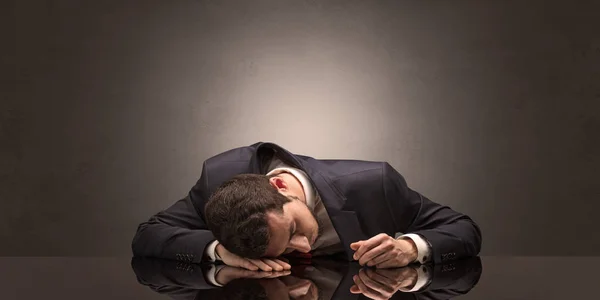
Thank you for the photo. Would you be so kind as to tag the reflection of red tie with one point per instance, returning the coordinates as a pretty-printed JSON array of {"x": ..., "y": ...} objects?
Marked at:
[{"x": 299, "y": 257}]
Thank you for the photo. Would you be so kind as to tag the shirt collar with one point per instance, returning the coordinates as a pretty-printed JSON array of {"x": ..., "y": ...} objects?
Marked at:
[{"x": 309, "y": 192}]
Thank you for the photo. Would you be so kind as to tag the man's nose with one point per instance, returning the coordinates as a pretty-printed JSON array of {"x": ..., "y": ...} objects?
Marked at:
[{"x": 300, "y": 243}]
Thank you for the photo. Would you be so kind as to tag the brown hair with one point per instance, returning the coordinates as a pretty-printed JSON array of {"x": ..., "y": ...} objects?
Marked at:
[{"x": 236, "y": 213}]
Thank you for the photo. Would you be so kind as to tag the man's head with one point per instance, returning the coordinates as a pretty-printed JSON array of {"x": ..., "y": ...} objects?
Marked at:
[{"x": 261, "y": 216}]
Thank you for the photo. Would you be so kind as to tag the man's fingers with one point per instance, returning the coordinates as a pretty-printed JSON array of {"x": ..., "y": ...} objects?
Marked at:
[
  {"x": 253, "y": 274},
  {"x": 396, "y": 275},
  {"x": 379, "y": 287},
  {"x": 363, "y": 248},
  {"x": 354, "y": 246},
  {"x": 379, "y": 259},
  {"x": 264, "y": 264},
  {"x": 391, "y": 274},
  {"x": 263, "y": 274},
  {"x": 377, "y": 276},
  {"x": 261, "y": 265},
  {"x": 278, "y": 274},
  {"x": 246, "y": 264},
  {"x": 392, "y": 263},
  {"x": 282, "y": 263},
  {"x": 379, "y": 250},
  {"x": 396, "y": 261},
  {"x": 369, "y": 244},
  {"x": 365, "y": 290},
  {"x": 275, "y": 266}
]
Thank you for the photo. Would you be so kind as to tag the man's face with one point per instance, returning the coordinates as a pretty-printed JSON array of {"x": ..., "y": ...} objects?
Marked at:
[{"x": 295, "y": 229}]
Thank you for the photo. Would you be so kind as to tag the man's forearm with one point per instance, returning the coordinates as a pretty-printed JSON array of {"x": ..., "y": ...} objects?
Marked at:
[
  {"x": 163, "y": 241},
  {"x": 177, "y": 233}
]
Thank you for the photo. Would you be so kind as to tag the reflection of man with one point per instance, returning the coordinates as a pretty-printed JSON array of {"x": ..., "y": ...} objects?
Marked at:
[
  {"x": 266, "y": 201},
  {"x": 325, "y": 279}
]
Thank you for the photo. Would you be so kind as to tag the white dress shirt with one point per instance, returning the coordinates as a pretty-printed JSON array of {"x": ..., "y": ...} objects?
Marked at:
[{"x": 328, "y": 242}]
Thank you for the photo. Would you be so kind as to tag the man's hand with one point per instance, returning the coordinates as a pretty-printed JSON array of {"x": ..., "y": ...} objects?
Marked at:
[
  {"x": 263, "y": 264},
  {"x": 383, "y": 251},
  {"x": 383, "y": 283},
  {"x": 227, "y": 274}
]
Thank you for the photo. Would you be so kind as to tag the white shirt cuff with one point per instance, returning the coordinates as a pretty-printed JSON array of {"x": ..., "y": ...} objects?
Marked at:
[
  {"x": 423, "y": 251},
  {"x": 211, "y": 251},
  {"x": 211, "y": 275},
  {"x": 422, "y": 279}
]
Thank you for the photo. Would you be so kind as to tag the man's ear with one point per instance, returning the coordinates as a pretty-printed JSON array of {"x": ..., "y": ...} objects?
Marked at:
[{"x": 278, "y": 183}]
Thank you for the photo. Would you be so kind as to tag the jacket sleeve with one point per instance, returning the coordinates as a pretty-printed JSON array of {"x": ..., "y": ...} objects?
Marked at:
[
  {"x": 450, "y": 234},
  {"x": 177, "y": 233},
  {"x": 178, "y": 279}
]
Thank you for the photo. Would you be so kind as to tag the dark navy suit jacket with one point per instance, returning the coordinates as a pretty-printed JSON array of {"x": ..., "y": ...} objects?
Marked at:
[{"x": 362, "y": 199}]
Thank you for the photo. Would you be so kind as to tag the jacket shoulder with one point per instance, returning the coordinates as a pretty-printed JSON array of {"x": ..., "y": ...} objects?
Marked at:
[
  {"x": 225, "y": 165},
  {"x": 236, "y": 154},
  {"x": 219, "y": 168},
  {"x": 339, "y": 169}
]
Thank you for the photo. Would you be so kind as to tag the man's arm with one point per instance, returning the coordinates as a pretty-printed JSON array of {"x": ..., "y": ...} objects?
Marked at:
[
  {"x": 167, "y": 275},
  {"x": 450, "y": 234},
  {"x": 177, "y": 233}
]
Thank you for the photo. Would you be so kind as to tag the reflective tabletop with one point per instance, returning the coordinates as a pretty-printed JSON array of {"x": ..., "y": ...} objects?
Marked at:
[{"x": 142, "y": 278}]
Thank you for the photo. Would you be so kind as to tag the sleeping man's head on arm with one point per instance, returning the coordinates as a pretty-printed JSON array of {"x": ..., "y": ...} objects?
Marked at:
[{"x": 257, "y": 216}]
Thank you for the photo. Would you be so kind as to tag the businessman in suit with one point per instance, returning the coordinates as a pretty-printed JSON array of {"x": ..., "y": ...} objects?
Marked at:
[
  {"x": 253, "y": 204},
  {"x": 324, "y": 279}
]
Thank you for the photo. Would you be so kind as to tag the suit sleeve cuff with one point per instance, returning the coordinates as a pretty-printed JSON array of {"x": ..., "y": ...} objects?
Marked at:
[
  {"x": 422, "y": 279},
  {"x": 211, "y": 274},
  {"x": 423, "y": 250},
  {"x": 211, "y": 251}
]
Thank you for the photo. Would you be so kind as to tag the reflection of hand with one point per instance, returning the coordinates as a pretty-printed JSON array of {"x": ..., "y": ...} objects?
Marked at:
[
  {"x": 383, "y": 283},
  {"x": 263, "y": 264},
  {"x": 384, "y": 251},
  {"x": 227, "y": 274}
]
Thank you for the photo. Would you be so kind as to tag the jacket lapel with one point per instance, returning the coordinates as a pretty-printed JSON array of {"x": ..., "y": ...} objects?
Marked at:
[
  {"x": 345, "y": 222},
  {"x": 255, "y": 160}
]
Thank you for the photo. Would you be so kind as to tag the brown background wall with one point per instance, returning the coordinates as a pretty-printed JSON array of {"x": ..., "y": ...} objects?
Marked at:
[{"x": 108, "y": 109}]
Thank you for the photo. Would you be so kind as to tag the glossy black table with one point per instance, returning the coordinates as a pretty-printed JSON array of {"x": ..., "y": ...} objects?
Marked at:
[{"x": 124, "y": 278}]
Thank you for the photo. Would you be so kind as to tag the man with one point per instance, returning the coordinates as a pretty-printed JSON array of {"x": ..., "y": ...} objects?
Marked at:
[{"x": 266, "y": 201}]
